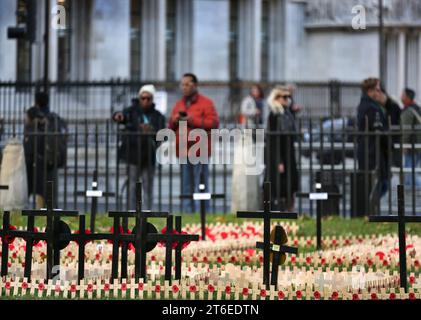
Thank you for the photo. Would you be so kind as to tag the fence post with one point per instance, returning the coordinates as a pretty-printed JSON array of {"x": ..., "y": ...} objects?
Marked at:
[{"x": 335, "y": 98}]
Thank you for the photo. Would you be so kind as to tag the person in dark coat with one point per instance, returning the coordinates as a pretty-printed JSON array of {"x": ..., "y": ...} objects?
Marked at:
[
  {"x": 281, "y": 168},
  {"x": 393, "y": 112},
  {"x": 38, "y": 170},
  {"x": 138, "y": 144},
  {"x": 372, "y": 117}
]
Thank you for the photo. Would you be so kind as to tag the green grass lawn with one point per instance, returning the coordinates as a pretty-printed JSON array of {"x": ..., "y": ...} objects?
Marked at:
[{"x": 332, "y": 226}]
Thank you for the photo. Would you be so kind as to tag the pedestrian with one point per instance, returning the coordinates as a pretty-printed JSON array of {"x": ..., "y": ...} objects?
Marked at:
[
  {"x": 138, "y": 146},
  {"x": 372, "y": 149},
  {"x": 280, "y": 153},
  {"x": 45, "y": 145},
  {"x": 411, "y": 124},
  {"x": 193, "y": 111},
  {"x": 252, "y": 107}
]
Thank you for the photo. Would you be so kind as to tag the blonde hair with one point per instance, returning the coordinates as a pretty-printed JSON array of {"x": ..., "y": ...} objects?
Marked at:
[{"x": 273, "y": 103}]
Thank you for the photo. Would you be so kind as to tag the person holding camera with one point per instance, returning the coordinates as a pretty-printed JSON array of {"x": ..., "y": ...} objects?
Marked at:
[
  {"x": 138, "y": 145},
  {"x": 193, "y": 111}
]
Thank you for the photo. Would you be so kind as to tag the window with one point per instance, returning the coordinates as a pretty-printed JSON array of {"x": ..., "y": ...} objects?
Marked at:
[
  {"x": 64, "y": 40},
  {"x": 171, "y": 40},
  {"x": 24, "y": 50},
  {"x": 135, "y": 39},
  {"x": 233, "y": 44}
]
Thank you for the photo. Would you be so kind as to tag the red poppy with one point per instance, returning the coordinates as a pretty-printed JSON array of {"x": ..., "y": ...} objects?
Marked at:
[
  {"x": 261, "y": 259},
  {"x": 293, "y": 259},
  {"x": 354, "y": 262},
  {"x": 205, "y": 259},
  {"x": 317, "y": 295},
  {"x": 245, "y": 291},
  {"x": 281, "y": 295},
  {"x": 41, "y": 286},
  {"x": 309, "y": 243},
  {"x": 175, "y": 288},
  {"x": 339, "y": 261},
  {"x": 87, "y": 231},
  {"x": 355, "y": 296},
  {"x": 14, "y": 255},
  {"x": 308, "y": 260},
  {"x": 380, "y": 254},
  {"x": 335, "y": 295},
  {"x": 140, "y": 286},
  {"x": 219, "y": 260},
  {"x": 124, "y": 286},
  {"x": 73, "y": 288},
  {"x": 192, "y": 288},
  {"x": 211, "y": 288},
  {"x": 227, "y": 290},
  {"x": 374, "y": 296},
  {"x": 106, "y": 287},
  {"x": 247, "y": 259},
  {"x": 347, "y": 242},
  {"x": 392, "y": 296},
  {"x": 323, "y": 262},
  {"x": 370, "y": 262},
  {"x": 295, "y": 242},
  {"x": 194, "y": 259},
  {"x": 411, "y": 279},
  {"x": 153, "y": 258},
  {"x": 385, "y": 263},
  {"x": 233, "y": 259},
  {"x": 69, "y": 254},
  {"x": 9, "y": 239},
  {"x": 7, "y": 285},
  {"x": 263, "y": 293},
  {"x": 416, "y": 263},
  {"x": 157, "y": 288},
  {"x": 24, "y": 285},
  {"x": 411, "y": 296},
  {"x": 299, "y": 294},
  {"x": 224, "y": 235},
  {"x": 334, "y": 242},
  {"x": 120, "y": 231}
]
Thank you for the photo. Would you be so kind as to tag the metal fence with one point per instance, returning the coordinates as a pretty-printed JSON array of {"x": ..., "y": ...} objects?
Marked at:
[
  {"x": 98, "y": 100},
  {"x": 325, "y": 150}
]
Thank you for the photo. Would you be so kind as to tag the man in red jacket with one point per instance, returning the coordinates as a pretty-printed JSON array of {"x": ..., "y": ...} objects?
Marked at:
[{"x": 193, "y": 111}]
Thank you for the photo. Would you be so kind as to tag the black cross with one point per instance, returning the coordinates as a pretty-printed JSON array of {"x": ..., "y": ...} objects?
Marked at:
[
  {"x": 51, "y": 234},
  {"x": 94, "y": 193},
  {"x": 170, "y": 238},
  {"x": 401, "y": 219},
  {"x": 202, "y": 196},
  {"x": 267, "y": 215},
  {"x": 140, "y": 238},
  {"x": 319, "y": 197},
  {"x": 277, "y": 249},
  {"x": 3, "y": 187}
]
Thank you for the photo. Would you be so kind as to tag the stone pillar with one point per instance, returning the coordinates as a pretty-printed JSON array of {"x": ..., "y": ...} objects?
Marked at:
[
  {"x": 184, "y": 37},
  {"x": 401, "y": 62},
  {"x": 249, "y": 40},
  {"x": 277, "y": 54},
  {"x": 153, "y": 64}
]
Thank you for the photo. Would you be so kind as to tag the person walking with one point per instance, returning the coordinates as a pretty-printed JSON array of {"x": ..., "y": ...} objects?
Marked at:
[
  {"x": 192, "y": 111},
  {"x": 280, "y": 153},
  {"x": 138, "y": 146}
]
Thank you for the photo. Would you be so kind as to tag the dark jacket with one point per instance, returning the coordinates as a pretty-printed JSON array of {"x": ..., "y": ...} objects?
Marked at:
[
  {"x": 372, "y": 114},
  {"x": 137, "y": 147},
  {"x": 280, "y": 149},
  {"x": 393, "y": 112}
]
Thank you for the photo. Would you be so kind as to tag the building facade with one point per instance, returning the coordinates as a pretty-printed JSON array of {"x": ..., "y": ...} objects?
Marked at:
[{"x": 219, "y": 40}]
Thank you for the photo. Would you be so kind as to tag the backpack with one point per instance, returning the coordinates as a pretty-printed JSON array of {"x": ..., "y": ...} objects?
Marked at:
[{"x": 56, "y": 141}]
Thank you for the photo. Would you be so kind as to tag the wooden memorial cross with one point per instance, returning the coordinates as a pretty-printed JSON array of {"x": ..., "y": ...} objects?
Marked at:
[
  {"x": 319, "y": 197},
  {"x": 141, "y": 235},
  {"x": 278, "y": 250},
  {"x": 170, "y": 237},
  {"x": 401, "y": 219},
  {"x": 54, "y": 228},
  {"x": 202, "y": 196},
  {"x": 95, "y": 194},
  {"x": 267, "y": 215}
]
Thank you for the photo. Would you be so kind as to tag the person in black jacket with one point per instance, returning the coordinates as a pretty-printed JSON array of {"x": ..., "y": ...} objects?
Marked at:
[
  {"x": 138, "y": 144},
  {"x": 393, "y": 112},
  {"x": 372, "y": 150}
]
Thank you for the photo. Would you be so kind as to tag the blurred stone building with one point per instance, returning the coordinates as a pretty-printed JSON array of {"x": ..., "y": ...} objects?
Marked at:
[{"x": 219, "y": 40}]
